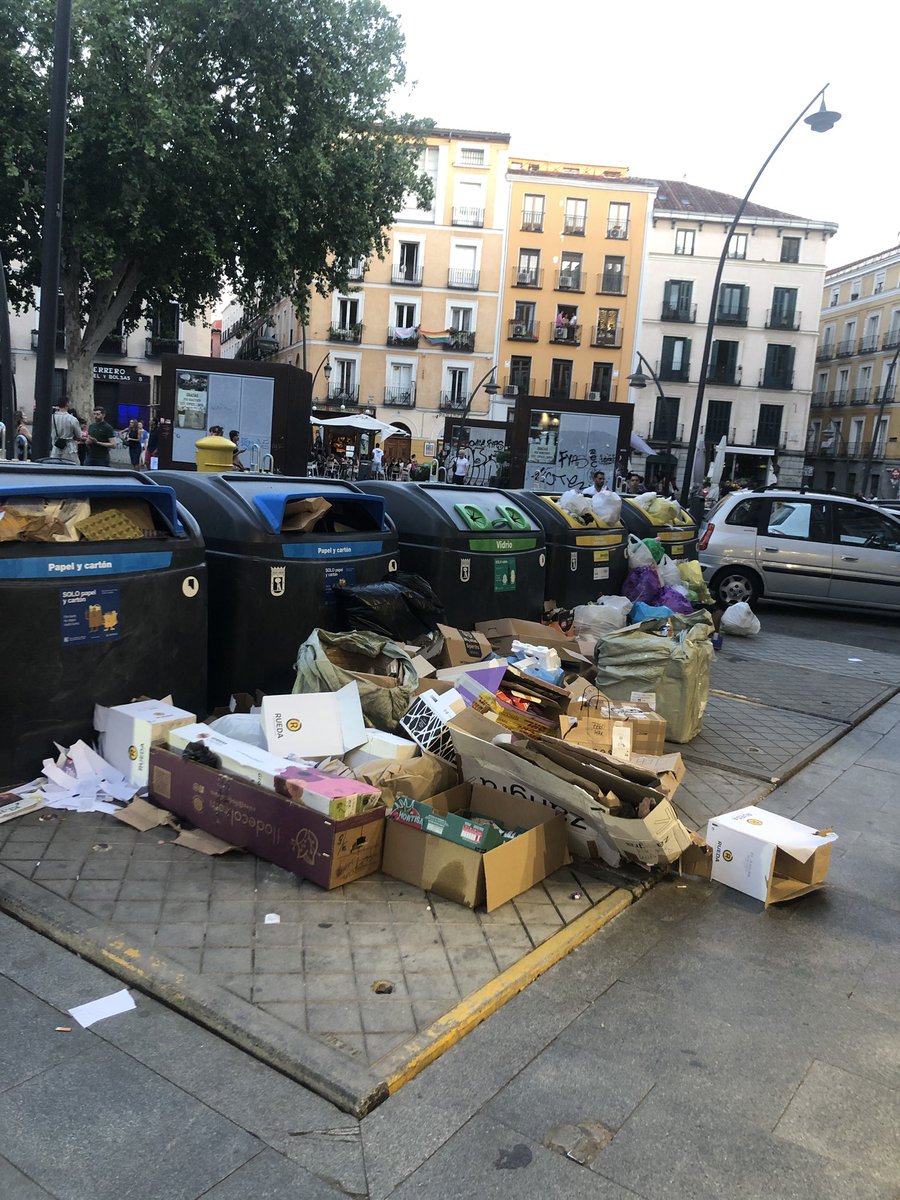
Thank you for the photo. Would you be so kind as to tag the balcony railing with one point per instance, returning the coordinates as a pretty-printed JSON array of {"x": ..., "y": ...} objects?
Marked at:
[
  {"x": 860, "y": 395},
  {"x": 453, "y": 403},
  {"x": 346, "y": 397},
  {"x": 612, "y": 283},
  {"x": 532, "y": 222},
  {"x": 357, "y": 271},
  {"x": 516, "y": 385},
  {"x": 574, "y": 225},
  {"x": 768, "y": 439},
  {"x": 724, "y": 376},
  {"x": 116, "y": 344},
  {"x": 473, "y": 218},
  {"x": 679, "y": 312},
  {"x": 662, "y": 431},
  {"x": 845, "y": 348},
  {"x": 618, "y": 229},
  {"x": 457, "y": 277},
  {"x": 523, "y": 331},
  {"x": 462, "y": 340},
  {"x": 732, "y": 316},
  {"x": 820, "y": 399},
  {"x": 398, "y": 397},
  {"x": 714, "y": 433},
  {"x": 836, "y": 399},
  {"x": 154, "y": 346},
  {"x": 868, "y": 344},
  {"x": 824, "y": 351},
  {"x": 610, "y": 338},
  {"x": 674, "y": 374},
  {"x": 891, "y": 339},
  {"x": 778, "y": 381},
  {"x": 569, "y": 281},
  {"x": 530, "y": 277},
  {"x": 777, "y": 318},
  {"x": 402, "y": 337},
  {"x": 345, "y": 333},
  {"x": 411, "y": 276},
  {"x": 885, "y": 393},
  {"x": 570, "y": 334}
]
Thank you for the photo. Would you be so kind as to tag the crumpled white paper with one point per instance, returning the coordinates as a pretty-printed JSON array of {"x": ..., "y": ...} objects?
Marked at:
[{"x": 79, "y": 780}]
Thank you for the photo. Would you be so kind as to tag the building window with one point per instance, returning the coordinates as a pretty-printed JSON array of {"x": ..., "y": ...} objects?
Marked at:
[
  {"x": 718, "y": 420},
  {"x": 768, "y": 431},
  {"x": 684, "y": 241},
  {"x": 737, "y": 245},
  {"x": 613, "y": 279},
  {"x": 665, "y": 422},
  {"x": 790, "y": 249},
  {"x": 607, "y": 327},
  {"x": 405, "y": 316},
  {"x": 618, "y": 221},
  {"x": 458, "y": 385},
  {"x": 779, "y": 369},
  {"x": 408, "y": 267},
  {"x": 733, "y": 303},
  {"x": 784, "y": 309},
  {"x": 533, "y": 213},
  {"x": 723, "y": 368},
  {"x": 520, "y": 373},
  {"x": 676, "y": 356},
  {"x": 878, "y": 285},
  {"x": 471, "y": 156},
  {"x": 560, "y": 379},
  {"x": 601, "y": 381},
  {"x": 575, "y": 218},
  {"x": 855, "y": 289},
  {"x": 678, "y": 295},
  {"x": 835, "y": 298},
  {"x": 570, "y": 272},
  {"x": 528, "y": 271}
]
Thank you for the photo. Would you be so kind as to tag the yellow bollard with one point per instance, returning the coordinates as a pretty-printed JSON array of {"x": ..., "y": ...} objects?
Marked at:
[{"x": 214, "y": 454}]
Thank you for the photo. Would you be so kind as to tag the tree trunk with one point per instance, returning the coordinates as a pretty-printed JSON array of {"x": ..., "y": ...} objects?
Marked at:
[{"x": 80, "y": 384}]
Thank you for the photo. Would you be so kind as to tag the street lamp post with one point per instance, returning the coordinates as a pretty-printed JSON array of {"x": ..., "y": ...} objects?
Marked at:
[
  {"x": 492, "y": 388},
  {"x": 820, "y": 122},
  {"x": 639, "y": 380},
  {"x": 885, "y": 394},
  {"x": 326, "y": 363}
]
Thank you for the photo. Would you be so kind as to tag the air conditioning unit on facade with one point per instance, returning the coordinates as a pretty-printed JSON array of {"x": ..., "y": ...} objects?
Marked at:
[
  {"x": 595, "y": 395},
  {"x": 512, "y": 390}
]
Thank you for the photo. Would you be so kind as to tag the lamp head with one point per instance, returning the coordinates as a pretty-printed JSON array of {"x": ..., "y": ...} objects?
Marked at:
[
  {"x": 638, "y": 379},
  {"x": 822, "y": 120},
  {"x": 492, "y": 387},
  {"x": 326, "y": 371}
]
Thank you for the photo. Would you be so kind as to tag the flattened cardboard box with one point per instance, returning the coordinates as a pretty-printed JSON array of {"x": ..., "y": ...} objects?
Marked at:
[
  {"x": 471, "y": 877},
  {"x": 460, "y": 647},
  {"x": 292, "y": 836}
]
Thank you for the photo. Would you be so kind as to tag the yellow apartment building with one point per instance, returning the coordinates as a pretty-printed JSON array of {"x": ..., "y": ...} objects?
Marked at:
[
  {"x": 572, "y": 279},
  {"x": 417, "y": 333},
  {"x": 853, "y": 442}
]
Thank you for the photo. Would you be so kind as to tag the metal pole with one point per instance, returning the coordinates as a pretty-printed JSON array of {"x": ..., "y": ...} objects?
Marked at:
[
  {"x": 885, "y": 392},
  {"x": 472, "y": 394},
  {"x": 52, "y": 231},
  {"x": 710, "y": 325},
  {"x": 7, "y": 383}
]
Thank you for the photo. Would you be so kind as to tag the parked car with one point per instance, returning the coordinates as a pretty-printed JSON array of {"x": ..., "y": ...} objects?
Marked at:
[{"x": 792, "y": 545}]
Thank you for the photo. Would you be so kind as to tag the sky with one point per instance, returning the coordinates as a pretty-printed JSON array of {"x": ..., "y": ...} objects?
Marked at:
[{"x": 695, "y": 91}]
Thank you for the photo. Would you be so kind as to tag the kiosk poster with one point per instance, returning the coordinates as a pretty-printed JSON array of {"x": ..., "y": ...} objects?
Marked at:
[
  {"x": 565, "y": 448},
  {"x": 191, "y": 399}
]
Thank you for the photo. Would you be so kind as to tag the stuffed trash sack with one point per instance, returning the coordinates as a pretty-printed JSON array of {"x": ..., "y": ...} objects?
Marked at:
[
  {"x": 575, "y": 503},
  {"x": 670, "y": 658},
  {"x": 639, "y": 553},
  {"x": 739, "y": 620},
  {"x": 593, "y": 620},
  {"x": 383, "y": 671},
  {"x": 607, "y": 507}
]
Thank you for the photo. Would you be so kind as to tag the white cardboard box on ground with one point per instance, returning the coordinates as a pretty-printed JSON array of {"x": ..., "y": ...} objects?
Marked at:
[
  {"x": 314, "y": 724},
  {"x": 768, "y": 856},
  {"x": 379, "y": 745},
  {"x": 237, "y": 758},
  {"x": 127, "y": 731}
]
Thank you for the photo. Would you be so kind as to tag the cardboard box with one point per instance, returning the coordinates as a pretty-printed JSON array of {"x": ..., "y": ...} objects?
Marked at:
[
  {"x": 334, "y": 795},
  {"x": 379, "y": 745},
  {"x": 467, "y": 829},
  {"x": 273, "y": 827},
  {"x": 468, "y": 876},
  {"x": 314, "y": 724},
  {"x": 621, "y": 729},
  {"x": 503, "y": 631},
  {"x": 420, "y": 777},
  {"x": 461, "y": 647},
  {"x": 127, "y": 732},
  {"x": 767, "y": 856},
  {"x": 240, "y": 759},
  {"x": 426, "y": 720}
]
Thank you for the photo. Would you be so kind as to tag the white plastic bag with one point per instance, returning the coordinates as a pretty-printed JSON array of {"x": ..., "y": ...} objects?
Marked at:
[
  {"x": 638, "y": 553},
  {"x": 644, "y": 499},
  {"x": 739, "y": 620},
  {"x": 574, "y": 503},
  {"x": 607, "y": 507},
  {"x": 243, "y": 727},
  {"x": 669, "y": 573},
  {"x": 596, "y": 620}
]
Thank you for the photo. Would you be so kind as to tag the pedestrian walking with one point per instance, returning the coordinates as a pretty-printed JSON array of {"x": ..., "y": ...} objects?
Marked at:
[
  {"x": 101, "y": 438},
  {"x": 66, "y": 432},
  {"x": 460, "y": 466}
]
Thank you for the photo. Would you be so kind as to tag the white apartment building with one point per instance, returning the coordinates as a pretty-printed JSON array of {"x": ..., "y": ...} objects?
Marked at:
[{"x": 766, "y": 323}]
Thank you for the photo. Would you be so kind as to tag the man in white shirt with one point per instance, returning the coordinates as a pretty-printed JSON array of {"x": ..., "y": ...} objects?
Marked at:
[
  {"x": 65, "y": 433},
  {"x": 378, "y": 462},
  {"x": 460, "y": 467},
  {"x": 599, "y": 484}
]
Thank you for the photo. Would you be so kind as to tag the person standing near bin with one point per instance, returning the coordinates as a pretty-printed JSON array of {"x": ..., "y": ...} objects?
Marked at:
[
  {"x": 101, "y": 438},
  {"x": 598, "y": 485},
  {"x": 134, "y": 436},
  {"x": 66, "y": 431},
  {"x": 378, "y": 462},
  {"x": 460, "y": 466}
]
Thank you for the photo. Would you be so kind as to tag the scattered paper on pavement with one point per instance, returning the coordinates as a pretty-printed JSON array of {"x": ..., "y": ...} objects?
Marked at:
[{"x": 99, "y": 1010}]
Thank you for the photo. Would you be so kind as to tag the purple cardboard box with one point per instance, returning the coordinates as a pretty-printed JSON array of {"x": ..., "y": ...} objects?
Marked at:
[{"x": 283, "y": 832}]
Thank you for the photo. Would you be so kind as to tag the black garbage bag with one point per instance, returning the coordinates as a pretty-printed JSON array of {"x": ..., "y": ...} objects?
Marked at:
[{"x": 403, "y": 607}]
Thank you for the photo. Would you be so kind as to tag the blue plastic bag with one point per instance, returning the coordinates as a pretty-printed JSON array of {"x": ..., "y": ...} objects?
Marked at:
[{"x": 647, "y": 612}]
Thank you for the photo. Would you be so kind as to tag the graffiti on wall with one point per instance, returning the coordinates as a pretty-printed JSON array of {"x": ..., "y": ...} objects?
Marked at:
[{"x": 482, "y": 450}]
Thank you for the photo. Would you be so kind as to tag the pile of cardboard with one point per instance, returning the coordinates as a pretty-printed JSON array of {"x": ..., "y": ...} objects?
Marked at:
[{"x": 93, "y": 520}]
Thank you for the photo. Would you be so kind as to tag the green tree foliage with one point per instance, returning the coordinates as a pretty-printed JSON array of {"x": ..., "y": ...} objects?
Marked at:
[{"x": 245, "y": 144}]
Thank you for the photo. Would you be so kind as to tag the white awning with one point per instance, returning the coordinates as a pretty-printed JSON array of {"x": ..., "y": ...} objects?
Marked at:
[{"x": 757, "y": 450}]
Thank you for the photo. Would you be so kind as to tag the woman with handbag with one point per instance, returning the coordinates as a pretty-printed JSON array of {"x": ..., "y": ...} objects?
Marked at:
[{"x": 65, "y": 431}]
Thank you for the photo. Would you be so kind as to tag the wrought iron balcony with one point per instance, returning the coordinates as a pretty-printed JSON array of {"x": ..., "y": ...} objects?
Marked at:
[
  {"x": 891, "y": 339},
  {"x": 570, "y": 334},
  {"x": 665, "y": 431},
  {"x": 116, "y": 344},
  {"x": 618, "y": 229},
  {"x": 472, "y": 218},
  {"x": 610, "y": 338},
  {"x": 778, "y": 318},
  {"x": 845, "y": 348},
  {"x": 769, "y": 440},
  {"x": 569, "y": 281},
  {"x": 357, "y": 271},
  {"x": 345, "y": 397},
  {"x": 516, "y": 385},
  {"x": 532, "y": 222},
  {"x": 885, "y": 393},
  {"x": 819, "y": 399},
  {"x": 715, "y": 432},
  {"x": 837, "y": 398},
  {"x": 398, "y": 397},
  {"x": 410, "y": 276},
  {"x": 612, "y": 283},
  {"x": 724, "y": 376},
  {"x": 453, "y": 403},
  {"x": 680, "y": 374},
  {"x": 402, "y": 337},
  {"x": 778, "y": 381},
  {"x": 523, "y": 331},
  {"x": 574, "y": 225},
  {"x": 868, "y": 344},
  {"x": 860, "y": 395},
  {"x": 530, "y": 277},
  {"x": 462, "y": 340},
  {"x": 736, "y": 316},
  {"x": 345, "y": 333},
  {"x": 154, "y": 347},
  {"x": 679, "y": 312},
  {"x": 824, "y": 351},
  {"x": 459, "y": 278}
]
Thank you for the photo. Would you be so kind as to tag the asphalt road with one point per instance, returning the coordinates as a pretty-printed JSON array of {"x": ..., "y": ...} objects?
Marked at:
[{"x": 874, "y": 631}]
